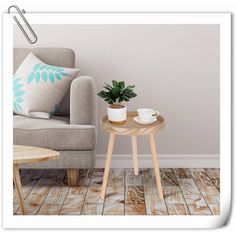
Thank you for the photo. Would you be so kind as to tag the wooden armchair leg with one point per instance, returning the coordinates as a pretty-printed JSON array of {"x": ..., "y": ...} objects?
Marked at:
[{"x": 72, "y": 177}]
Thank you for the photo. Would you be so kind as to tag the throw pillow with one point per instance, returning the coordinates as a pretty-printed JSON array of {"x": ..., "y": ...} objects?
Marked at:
[{"x": 38, "y": 88}]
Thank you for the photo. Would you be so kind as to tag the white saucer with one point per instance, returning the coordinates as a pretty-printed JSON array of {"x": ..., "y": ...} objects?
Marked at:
[{"x": 137, "y": 119}]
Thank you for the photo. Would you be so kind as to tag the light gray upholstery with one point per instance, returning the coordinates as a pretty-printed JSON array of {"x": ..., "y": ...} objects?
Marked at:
[
  {"x": 55, "y": 133},
  {"x": 83, "y": 101},
  {"x": 72, "y": 131},
  {"x": 67, "y": 159},
  {"x": 53, "y": 56}
]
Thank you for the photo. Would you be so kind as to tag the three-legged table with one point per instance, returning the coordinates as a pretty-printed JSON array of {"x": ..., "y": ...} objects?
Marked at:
[{"x": 133, "y": 129}]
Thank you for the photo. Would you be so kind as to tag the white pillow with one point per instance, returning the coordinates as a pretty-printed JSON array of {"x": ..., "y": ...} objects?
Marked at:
[{"x": 38, "y": 88}]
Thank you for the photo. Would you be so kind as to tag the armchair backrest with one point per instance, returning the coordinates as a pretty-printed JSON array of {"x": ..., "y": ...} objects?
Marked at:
[{"x": 64, "y": 57}]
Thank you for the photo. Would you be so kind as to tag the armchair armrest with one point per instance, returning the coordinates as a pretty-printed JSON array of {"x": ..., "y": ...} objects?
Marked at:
[{"x": 83, "y": 107}]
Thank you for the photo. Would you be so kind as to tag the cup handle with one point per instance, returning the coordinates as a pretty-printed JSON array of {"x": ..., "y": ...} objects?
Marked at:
[{"x": 156, "y": 113}]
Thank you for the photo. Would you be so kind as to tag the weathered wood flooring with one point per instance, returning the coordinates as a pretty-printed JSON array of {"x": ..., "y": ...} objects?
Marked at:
[{"x": 186, "y": 192}]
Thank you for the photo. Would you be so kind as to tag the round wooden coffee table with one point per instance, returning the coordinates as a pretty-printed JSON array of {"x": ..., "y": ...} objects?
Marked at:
[
  {"x": 133, "y": 129},
  {"x": 28, "y": 154}
]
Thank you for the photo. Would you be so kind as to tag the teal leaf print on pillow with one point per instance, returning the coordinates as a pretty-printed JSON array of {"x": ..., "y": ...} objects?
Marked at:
[
  {"x": 30, "y": 77},
  {"x": 51, "y": 77},
  {"x": 42, "y": 67},
  {"x": 44, "y": 76},
  {"x": 17, "y": 93},
  {"x": 46, "y": 73},
  {"x": 63, "y": 74},
  {"x": 58, "y": 76},
  {"x": 37, "y": 77},
  {"x": 36, "y": 67}
]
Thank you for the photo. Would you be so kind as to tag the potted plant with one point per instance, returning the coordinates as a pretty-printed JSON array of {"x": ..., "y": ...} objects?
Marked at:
[{"x": 115, "y": 95}]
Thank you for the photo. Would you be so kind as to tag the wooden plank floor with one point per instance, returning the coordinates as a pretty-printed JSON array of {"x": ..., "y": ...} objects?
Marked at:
[{"x": 186, "y": 192}]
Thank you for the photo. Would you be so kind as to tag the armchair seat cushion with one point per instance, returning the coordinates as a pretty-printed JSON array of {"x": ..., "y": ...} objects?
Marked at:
[{"x": 56, "y": 133}]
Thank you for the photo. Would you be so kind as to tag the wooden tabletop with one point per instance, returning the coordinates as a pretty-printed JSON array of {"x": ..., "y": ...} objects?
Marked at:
[
  {"x": 28, "y": 154},
  {"x": 130, "y": 127}
]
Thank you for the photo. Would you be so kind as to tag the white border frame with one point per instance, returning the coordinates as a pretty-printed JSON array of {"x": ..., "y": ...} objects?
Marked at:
[{"x": 224, "y": 20}]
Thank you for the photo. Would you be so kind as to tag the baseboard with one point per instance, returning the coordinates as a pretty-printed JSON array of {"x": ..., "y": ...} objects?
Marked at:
[{"x": 165, "y": 161}]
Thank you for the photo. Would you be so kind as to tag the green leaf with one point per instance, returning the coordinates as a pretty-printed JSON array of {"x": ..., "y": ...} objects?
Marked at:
[
  {"x": 37, "y": 77},
  {"x": 130, "y": 87},
  {"x": 17, "y": 87},
  {"x": 16, "y": 80},
  {"x": 54, "y": 68},
  {"x": 108, "y": 85},
  {"x": 44, "y": 76},
  {"x": 19, "y": 100},
  {"x": 121, "y": 99},
  {"x": 42, "y": 67},
  {"x": 60, "y": 69},
  {"x": 35, "y": 68},
  {"x": 15, "y": 106},
  {"x": 51, "y": 77},
  {"x": 58, "y": 76},
  {"x": 117, "y": 92},
  {"x": 30, "y": 77},
  {"x": 102, "y": 94},
  {"x": 107, "y": 88},
  {"x": 115, "y": 83},
  {"x": 19, "y": 93},
  {"x": 19, "y": 108},
  {"x": 122, "y": 84},
  {"x": 110, "y": 101},
  {"x": 63, "y": 73}
]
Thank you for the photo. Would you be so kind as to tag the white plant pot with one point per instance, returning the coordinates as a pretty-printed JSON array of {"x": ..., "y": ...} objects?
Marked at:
[{"x": 117, "y": 115}]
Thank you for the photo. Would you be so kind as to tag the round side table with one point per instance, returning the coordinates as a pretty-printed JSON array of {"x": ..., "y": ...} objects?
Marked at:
[
  {"x": 28, "y": 154},
  {"x": 133, "y": 129}
]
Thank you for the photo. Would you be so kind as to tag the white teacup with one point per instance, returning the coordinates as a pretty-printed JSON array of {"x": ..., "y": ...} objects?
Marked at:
[{"x": 146, "y": 114}]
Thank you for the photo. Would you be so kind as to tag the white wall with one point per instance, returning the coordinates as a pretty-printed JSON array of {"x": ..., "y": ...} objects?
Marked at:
[{"x": 175, "y": 69}]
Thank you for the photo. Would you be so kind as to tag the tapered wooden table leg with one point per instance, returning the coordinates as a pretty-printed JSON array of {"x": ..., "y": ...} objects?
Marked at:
[
  {"x": 135, "y": 156},
  {"x": 155, "y": 164},
  {"x": 108, "y": 164},
  {"x": 18, "y": 186}
]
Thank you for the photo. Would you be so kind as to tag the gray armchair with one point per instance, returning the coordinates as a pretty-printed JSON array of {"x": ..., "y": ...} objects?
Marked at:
[{"x": 71, "y": 131}]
